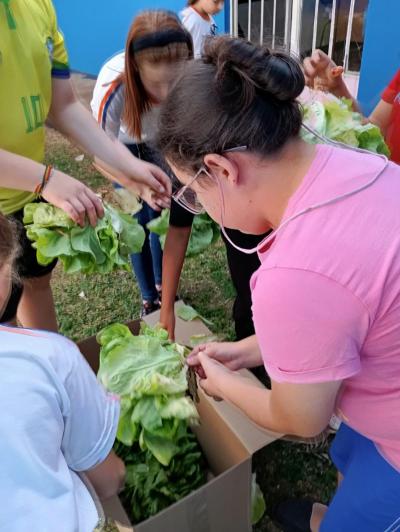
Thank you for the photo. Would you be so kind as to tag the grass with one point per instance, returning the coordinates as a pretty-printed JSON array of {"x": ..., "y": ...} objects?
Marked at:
[{"x": 86, "y": 304}]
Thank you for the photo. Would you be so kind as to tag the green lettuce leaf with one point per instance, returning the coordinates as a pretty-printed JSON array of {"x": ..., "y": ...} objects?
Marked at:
[
  {"x": 160, "y": 225},
  {"x": 142, "y": 366},
  {"x": 127, "y": 202},
  {"x": 46, "y": 215},
  {"x": 188, "y": 313},
  {"x": 197, "y": 339},
  {"x": 149, "y": 374},
  {"x": 150, "y": 486},
  {"x": 257, "y": 502},
  {"x": 176, "y": 408},
  {"x": 87, "y": 249},
  {"x": 205, "y": 232},
  {"x": 128, "y": 431},
  {"x": 157, "y": 332},
  {"x": 335, "y": 119},
  {"x": 163, "y": 449}
]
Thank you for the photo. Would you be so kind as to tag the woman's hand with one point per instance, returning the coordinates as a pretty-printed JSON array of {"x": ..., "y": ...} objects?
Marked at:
[
  {"x": 322, "y": 73},
  {"x": 73, "y": 197},
  {"x": 228, "y": 354},
  {"x": 233, "y": 355},
  {"x": 211, "y": 374}
]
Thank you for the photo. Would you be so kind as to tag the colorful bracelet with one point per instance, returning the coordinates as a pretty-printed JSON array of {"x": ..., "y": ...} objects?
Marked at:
[{"x": 46, "y": 177}]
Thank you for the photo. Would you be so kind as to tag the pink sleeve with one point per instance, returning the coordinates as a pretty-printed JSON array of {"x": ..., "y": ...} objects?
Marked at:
[
  {"x": 310, "y": 328},
  {"x": 391, "y": 91}
]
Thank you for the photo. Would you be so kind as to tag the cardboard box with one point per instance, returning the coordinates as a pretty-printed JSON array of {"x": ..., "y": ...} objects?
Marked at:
[{"x": 228, "y": 440}]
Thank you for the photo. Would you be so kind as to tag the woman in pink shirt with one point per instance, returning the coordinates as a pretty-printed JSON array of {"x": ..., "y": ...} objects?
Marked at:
[{"x": 326, "y": 299}]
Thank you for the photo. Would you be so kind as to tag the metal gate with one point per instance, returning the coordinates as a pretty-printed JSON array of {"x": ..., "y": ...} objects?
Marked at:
[{"x": 301, "y": 26}]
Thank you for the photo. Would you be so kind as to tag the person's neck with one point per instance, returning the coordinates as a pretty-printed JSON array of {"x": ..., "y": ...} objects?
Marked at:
[
  {"x": 280, "y": 177},
  {"x": 197, "y": 7}
]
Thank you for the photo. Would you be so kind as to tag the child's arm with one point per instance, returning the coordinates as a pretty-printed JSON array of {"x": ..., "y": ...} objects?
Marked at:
[
  {"x": 381, "y": 116},
  {"x": 108, "y": 477},
  {"x": 71, "y": 118},
  {"x": 63, "y": 191},
  {"x": 176, "y": 243},
  {"x": 173, "y": 258},
  {"x": 322, "y": 73},
  {"x": 91, "y": 422}
]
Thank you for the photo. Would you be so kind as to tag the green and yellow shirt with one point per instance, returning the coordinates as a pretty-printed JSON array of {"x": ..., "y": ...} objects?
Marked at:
[{"x": 32, "y": 51}]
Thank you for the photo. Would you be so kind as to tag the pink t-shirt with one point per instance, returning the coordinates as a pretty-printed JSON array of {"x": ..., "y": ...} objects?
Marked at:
[{"x": 326, "y": 298}]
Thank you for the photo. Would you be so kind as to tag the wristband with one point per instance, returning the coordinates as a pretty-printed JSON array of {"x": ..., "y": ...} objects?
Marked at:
[{"x": 48, "y": 172}]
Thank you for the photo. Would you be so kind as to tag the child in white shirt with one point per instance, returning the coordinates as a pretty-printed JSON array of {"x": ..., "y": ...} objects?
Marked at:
[
  {"x": 56, "y": 423},
  {"x": 197, "y": 18}
]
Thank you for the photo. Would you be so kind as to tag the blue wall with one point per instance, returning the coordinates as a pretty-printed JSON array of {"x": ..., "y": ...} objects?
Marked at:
[
  {"x": 381, "y": 55},
  {"x": 95, "y": 29}
]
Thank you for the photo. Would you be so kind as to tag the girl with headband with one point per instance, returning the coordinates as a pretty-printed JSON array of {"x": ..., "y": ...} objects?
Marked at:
[
  {"x": 326, "y": 298},
  {"x": 126, "y": 102}
]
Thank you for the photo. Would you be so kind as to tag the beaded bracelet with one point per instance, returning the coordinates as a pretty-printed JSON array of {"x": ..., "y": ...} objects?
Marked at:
[{"x": 46, "y": 177}]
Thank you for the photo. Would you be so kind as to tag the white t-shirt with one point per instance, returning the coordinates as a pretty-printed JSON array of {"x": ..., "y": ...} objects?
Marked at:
[
  {"x": 198, "y": 27},
  {"x": 108, "y": 104},
  {"x": 56, "y": 420}
]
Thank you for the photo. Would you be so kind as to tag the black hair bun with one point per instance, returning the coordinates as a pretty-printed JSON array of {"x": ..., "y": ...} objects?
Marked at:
[{"x": 256, "y": 69}]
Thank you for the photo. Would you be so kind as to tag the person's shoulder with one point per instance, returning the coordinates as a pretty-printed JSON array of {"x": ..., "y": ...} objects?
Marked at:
[
  {"x": 45, "y": 5},
  {"x": 190, "y": 15},
  {"x": 43, "y": 347},
  {"x": 114, "y": 65},
  {"x": 396, "y": 82},
  {"x": 108, "y": 82},
  {"x": 397, "y": 76},
  {"x": 358, "y": 161},
  {"x": 186, "y": 12},
  {"x": 43, "y": 11}
]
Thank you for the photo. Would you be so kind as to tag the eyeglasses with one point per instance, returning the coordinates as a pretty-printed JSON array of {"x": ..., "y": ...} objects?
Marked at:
[{"x": 186, "y": 197}]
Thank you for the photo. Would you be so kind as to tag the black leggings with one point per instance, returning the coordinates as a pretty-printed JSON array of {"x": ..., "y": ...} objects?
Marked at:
[
  {"x": 242, "y": 267},
  {"x": 27, "y": 268}
]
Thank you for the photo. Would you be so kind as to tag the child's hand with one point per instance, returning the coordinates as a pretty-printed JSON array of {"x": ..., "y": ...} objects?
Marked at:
[
  {"x": 167, "y": 321},
  {"x": 149, "y": 181},
  {"x": 322, "y": 73},
  {"x": 73, "y": 197}
]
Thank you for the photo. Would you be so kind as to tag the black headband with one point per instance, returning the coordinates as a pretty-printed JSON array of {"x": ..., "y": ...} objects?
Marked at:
[{"x": 161, "y": 38}]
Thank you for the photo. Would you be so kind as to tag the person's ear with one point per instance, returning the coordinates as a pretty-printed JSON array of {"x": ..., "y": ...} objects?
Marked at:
[{"x": 222, "y": 168}]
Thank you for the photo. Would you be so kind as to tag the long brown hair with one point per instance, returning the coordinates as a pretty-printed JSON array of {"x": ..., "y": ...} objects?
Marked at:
[
  {"x": 9, "y": 246},
  {"x": 146, "y": 23},
  {"x": 237, "y": 94}
]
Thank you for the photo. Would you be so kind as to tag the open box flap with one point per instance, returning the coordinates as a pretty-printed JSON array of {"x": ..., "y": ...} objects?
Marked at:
[
  {"x": 251, "y": 435},
  {"x": 221, "y": 505}
]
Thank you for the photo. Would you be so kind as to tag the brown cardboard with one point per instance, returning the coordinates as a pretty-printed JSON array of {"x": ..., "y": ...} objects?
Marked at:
[{"x": 228, "y": 440}]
